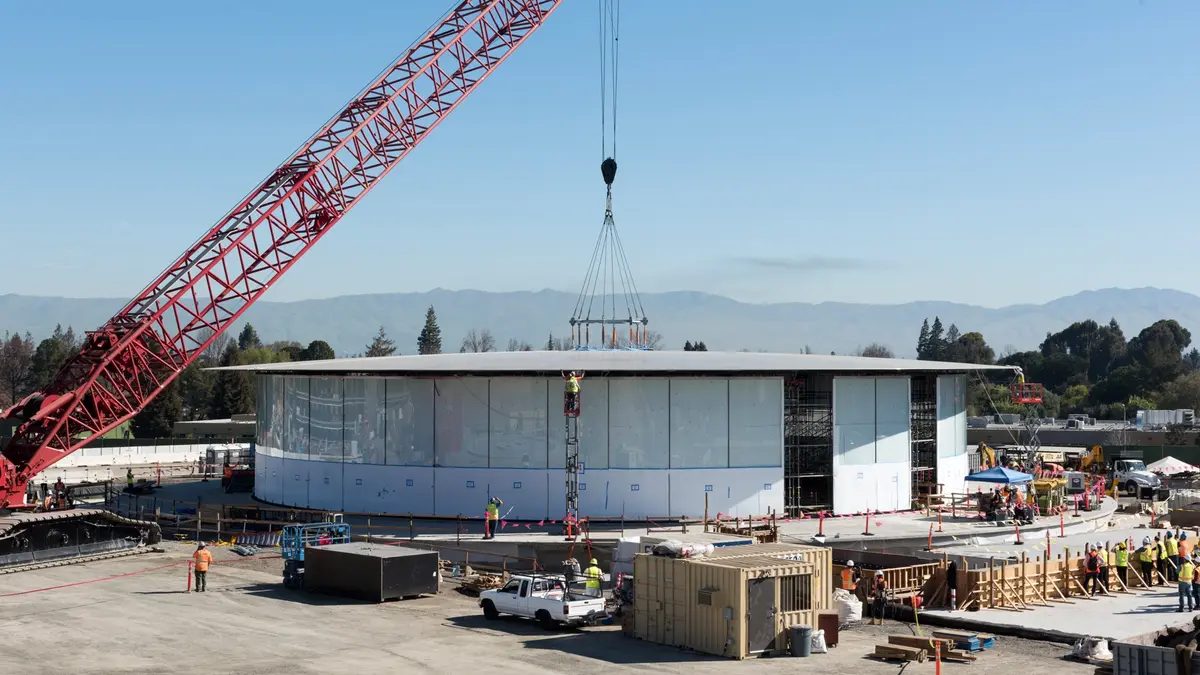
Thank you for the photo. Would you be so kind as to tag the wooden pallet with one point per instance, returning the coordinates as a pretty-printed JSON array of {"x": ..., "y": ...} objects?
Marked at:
[{"x": 899, "y": 653}]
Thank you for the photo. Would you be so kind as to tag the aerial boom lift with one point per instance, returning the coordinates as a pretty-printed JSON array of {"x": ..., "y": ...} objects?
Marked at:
[{"x": 128, "y": 361}]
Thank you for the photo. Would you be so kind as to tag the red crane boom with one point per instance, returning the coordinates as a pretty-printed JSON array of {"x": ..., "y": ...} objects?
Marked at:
[{"x": 124, "y": 364}]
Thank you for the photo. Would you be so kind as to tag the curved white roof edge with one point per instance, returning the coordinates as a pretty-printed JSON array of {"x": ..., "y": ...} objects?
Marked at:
[{"x": 612, "y": 361}]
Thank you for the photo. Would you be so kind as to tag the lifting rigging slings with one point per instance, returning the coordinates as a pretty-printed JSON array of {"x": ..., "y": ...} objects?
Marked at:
[{"x": 609, "y": 279}]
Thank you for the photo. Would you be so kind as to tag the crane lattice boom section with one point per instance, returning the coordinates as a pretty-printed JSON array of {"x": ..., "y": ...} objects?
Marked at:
[{"x": 138, "y": 352}]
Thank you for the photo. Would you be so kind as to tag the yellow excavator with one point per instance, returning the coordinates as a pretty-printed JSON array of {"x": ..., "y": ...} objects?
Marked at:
[
  {"x": 987, "y": 457},
  {"x": 1093, "y": 461}
]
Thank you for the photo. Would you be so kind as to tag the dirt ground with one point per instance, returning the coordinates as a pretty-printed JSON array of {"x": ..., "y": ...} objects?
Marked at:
[{"x": 111, "y": 617}]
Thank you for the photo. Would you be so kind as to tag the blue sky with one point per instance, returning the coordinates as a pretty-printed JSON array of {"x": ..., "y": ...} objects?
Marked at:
[{"x": 989, "y": 153}]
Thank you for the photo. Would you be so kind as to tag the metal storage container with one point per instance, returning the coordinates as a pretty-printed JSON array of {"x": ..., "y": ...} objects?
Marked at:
[
  {"x": 738, "y": 602},
  {"x": 371, "y": 572},
  {"x": 1131, "y": 659}
]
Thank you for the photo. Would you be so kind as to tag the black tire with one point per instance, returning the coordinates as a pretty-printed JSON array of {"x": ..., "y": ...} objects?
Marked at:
[
  {"x": 1131, "y": 488},
  {"x": 546, "y": 621},
  {"x": 489, "y": 611}
]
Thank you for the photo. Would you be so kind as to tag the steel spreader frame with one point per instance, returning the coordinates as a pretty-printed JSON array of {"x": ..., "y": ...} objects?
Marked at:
[{"x": 124, "y": 364}]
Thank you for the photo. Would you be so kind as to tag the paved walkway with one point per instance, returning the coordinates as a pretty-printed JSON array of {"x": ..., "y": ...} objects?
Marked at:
[{"x": 1118, "y": 617}]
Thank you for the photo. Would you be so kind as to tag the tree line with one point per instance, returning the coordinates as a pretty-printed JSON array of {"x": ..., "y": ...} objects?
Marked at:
[
  {"x": 1087, "y": 368},
  {"x": 26, "y": 367}
]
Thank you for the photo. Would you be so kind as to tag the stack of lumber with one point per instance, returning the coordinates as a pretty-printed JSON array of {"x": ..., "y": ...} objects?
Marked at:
[
  {"x": 899, "y": 653},
  {"x": 966, "y": 640},
  {"x": 930, "y": 644}
]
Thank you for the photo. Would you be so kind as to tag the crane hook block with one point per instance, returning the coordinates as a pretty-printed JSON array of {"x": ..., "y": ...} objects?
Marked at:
[{"x": 608, "y": 169}]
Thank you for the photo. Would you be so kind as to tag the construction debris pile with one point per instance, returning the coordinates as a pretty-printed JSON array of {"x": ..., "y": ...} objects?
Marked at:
[{"x": 1178, "y": 637}]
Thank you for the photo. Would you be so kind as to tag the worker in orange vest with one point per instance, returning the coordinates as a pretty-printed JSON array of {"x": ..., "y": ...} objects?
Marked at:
[
  {"x": 202, "y": 558},
  {"x": 850, "y": 576}
]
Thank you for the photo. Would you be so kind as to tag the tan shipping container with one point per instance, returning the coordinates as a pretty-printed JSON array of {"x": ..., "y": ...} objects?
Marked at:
[{"x": 730, "y": 604}]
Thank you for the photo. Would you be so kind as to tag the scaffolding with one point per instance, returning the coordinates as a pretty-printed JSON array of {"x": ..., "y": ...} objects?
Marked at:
[
  {"x": 923, "y": 434},
  {"x": 808, "y": 443}
]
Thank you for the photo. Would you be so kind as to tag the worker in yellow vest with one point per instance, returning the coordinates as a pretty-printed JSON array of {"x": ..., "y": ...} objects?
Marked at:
[
  {"x": 1172, "y": 562},
  {"x": 594, "y": 575},
  {"x": 1145, "y": 555},
  {"x": 1119, "y": 558},
  {"x": 1160, "y": 559},
  {"x": 1187, "y": 573}
]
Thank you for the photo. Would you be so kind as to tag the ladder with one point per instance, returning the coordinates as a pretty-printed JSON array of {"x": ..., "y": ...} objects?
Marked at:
[{"x": 572, "y": 468}]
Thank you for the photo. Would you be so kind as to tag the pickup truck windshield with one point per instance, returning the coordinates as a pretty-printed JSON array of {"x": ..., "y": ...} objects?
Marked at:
[{"x": 1135, "y": 465}]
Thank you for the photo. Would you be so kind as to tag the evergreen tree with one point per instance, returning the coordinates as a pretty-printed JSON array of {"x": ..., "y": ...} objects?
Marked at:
[
  {"x": 430, "y": 339},
  {"x": 937, "y": 340},
  {"x": 687, "y": 346},
  {"x": 382, "y": 345},
  {"x": 232, "y": 392},
  {"x": 248, "y": 338},
  {"x": 952, "y": 334},
  {"x": 550, "y": 343},
  {"x": 699, "y": 346},
  {"x": 923, "y": 341},
  {"x": 157, "y": 419}
]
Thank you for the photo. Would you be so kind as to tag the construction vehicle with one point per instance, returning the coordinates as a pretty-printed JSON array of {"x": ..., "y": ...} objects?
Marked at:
[
  {"x": 296, "y": 538},
  {"x": 135, "y": 355},
  {"x": 987, "y": 457},
  {"x": 1093, "y": 460}
]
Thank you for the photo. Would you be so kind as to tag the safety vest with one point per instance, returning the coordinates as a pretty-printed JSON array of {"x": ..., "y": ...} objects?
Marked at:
[
  {"x": 573, "y": 386},
  {"x": 593, "y": 575},
  {"x": 129, "y": 478},
  {"x": 1187, "y": 572},
  {"x": 1093, "y": 561},
  {"x": 1122, "y": 557},
  {"x": 1146, "y": 554},
  {"x": 848, "y": 579},
  {"x": 1172, "y": 546},
  {"x": 1160, "y": 551},
  {"x": 202, "y": 558},
  {"x": 493, "y": 511},
  {"x": 1183, "y": 547}
]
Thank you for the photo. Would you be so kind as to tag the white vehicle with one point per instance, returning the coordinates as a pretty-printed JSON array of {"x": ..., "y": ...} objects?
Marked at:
[
  {"x": 1132, "y": 477},
  {"x": 545, "y": 598}
]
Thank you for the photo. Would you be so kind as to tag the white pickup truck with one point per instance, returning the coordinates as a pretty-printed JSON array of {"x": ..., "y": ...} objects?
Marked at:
[{"x": 545, "y": 598}]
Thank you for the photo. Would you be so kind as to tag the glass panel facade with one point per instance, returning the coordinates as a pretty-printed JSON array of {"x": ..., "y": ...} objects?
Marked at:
[
  {"x": 409, "y": 424},
  {"x": 326, "y": 419},
  {"x": 364, "y": 420}
]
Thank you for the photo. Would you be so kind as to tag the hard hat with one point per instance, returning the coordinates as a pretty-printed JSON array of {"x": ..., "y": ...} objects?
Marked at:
[
  {"x": 1146, "y": 541},
  {"x": 200, "y": 545},
  {"x": 878, "y": 573},
  {"x": 594, "y": 562},
  {"x": 1099, "y": 545},
  {"x": 1169, "y": 535},
  {"x": 849, "y": 563}
]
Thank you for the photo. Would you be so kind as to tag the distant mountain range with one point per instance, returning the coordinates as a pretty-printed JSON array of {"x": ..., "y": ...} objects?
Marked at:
[{"x": 349, "y": 322}]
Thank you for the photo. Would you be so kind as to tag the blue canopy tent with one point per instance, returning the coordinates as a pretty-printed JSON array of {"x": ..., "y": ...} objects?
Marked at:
[{"x": 1001, "y": 475}]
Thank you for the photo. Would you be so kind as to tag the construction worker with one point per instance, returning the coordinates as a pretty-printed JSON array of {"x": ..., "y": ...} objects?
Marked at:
[
  {"x": 1160, "y": 560},
  {"x": 1196, "y": 579},
  {"x": 850, "y": 577},
  {"x": 493, "y": 518},
  {"x": 1102, "y": 556},
  {"x": 572, "y": 391},
  {"x": 129, "y": 479},
  {"x": 593, "y": 576},
  {"x": 879, "y": 591},
  {"x": 1172, "y": 563},
  {"x": 1185, "y": 548},
  {"x": 1145, "y": 556},
  {"x": 1187, "y": 574},
  {"x": 1091, "y": 570},
  {"x": 1120, "y": 560},
  {"x": 201, "y": 559}
]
